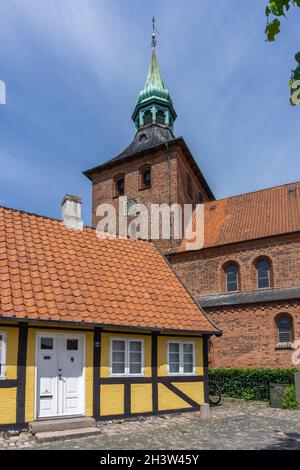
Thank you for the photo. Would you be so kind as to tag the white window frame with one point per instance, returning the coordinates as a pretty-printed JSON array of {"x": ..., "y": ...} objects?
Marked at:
[
  {"x": 3, "y": 352},
  {"x": 127, "y": 364},
  {"x": 181, "y": 372}
]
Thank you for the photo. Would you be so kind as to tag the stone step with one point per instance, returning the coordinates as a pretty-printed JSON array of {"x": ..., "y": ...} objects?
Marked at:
[
  {"x": 67, "y": 434},
  {"x": 52, "y": 425}
]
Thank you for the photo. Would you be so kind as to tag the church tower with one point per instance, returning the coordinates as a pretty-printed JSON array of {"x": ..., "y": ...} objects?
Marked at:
[{"x": 156, "y": 167}]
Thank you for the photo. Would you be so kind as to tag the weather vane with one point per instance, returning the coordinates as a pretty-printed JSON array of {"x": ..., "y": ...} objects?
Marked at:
[{"x": 154, "y": 40}]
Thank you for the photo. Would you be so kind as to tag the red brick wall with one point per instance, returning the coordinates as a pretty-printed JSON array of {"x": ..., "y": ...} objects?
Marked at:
[
  {"x": 203, "y": 270},
  {"x": 159, "y": 193},
  {"x": 250, "y": 336}
]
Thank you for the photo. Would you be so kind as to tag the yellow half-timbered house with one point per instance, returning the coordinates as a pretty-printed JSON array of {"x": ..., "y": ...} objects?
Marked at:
[{"x": 92, "y": 327}]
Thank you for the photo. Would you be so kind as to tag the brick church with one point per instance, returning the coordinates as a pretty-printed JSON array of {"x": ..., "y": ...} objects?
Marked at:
[{"x": 246, "y": 276}]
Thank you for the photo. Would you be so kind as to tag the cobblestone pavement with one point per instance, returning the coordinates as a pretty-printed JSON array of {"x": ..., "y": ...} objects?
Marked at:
[{"x": 232, "y": 426}]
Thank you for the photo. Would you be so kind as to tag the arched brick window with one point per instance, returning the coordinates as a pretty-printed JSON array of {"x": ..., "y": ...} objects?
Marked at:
[
  {"x": 145, "y": 177},
  {"x": 263, "y": 273},
  {"x": 119, "y": 185},
  {"x": 231, "y": 271},
  {"x": 284, "y": 323}
]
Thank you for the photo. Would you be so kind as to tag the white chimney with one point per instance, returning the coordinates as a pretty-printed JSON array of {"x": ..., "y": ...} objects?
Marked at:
[{"x": 71, "y": 212}]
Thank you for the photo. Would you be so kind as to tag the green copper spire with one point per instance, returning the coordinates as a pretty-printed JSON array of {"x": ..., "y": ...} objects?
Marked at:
[
  {"x": 154, "y": 104},
  {"x": 154, "y": 85}
]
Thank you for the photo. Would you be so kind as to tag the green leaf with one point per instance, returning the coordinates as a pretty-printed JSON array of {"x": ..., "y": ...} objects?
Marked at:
[{"x": 272, "y": 30}]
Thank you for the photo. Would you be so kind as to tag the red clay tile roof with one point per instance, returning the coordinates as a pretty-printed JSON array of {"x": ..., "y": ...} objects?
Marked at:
[
  {"x": 264, "y": 213},
  {"x": 50, "y": 272}
]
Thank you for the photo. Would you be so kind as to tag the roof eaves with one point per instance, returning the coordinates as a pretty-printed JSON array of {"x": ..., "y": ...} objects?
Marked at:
[
  {"x": 250, "y": 297},
  {"x": 114, "y": 161},
  {"x": 103, "y": 325},
  {"x": 126, "y": 158},
  {"x": 245, "y": 240}
]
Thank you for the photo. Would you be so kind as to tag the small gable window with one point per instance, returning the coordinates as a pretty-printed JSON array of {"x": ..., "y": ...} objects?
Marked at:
[
  {"x": 189, "y": 186},
  {"x": 263, "y": 274},
  {"x": 2, "y": 354},
  {"x": 232, "y": 283},
  {"x": 145, "y": 177},
  {"x": 120, "y": 185},
  {"x": 284, "y": 329}
]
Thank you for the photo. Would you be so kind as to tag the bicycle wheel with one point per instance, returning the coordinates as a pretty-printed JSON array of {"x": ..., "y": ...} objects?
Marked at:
[{"x": 215, "y": 394}]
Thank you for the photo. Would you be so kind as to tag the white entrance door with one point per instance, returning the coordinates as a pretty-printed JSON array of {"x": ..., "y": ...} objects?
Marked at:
[{"x": 60, "y": 375}]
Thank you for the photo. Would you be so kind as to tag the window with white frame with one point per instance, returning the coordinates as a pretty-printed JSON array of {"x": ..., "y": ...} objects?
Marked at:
[
  {"x": 2, "y": 354},
  {"x": 181, "y": 357},
  {"x": 126, "y": 357}
]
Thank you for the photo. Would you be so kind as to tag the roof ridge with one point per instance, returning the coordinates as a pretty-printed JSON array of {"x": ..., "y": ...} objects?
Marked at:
[
  {"x": 253, "y": 192},
  {"x": 30, "y": 213},
  {"x": 149, "y": 240}
]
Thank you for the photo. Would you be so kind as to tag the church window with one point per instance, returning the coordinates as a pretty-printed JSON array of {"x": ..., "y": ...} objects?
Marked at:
[
  {"x": 263, "y": 274},
  {"x": 284, "y": 328},
  {"x": 120, "y": 185},
  {"x": 232, "y": 282},
  {"x": 145, "y": 177}
]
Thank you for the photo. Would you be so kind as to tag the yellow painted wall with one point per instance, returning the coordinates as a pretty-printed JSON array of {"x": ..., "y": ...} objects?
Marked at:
[
  {"x": 8, "y": 400},
  {"x": 141, "y": 398},
  {"x": 111, "y": 395},
  {"x": 89, "y": 378},
  {"x": 167, "y": 400},
  {"x": 11, "y": 351},
  {"x": 162, "y": 346},
  {"x": 111, "y": 399},
  {"x": 30, "y": 376},
  {"x": 8, "y": 396},
  {"x": 194, "y": 390}
]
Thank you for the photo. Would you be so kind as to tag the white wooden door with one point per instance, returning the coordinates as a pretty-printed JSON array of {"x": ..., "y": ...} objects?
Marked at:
[
  {"x": 71, "y": 362},
  {"x": 47, "y": 390},
  {"x": 60, "y": 375}
]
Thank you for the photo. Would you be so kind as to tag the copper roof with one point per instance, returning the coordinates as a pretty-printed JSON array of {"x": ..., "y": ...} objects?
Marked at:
[{"x": 50, "y": 272}]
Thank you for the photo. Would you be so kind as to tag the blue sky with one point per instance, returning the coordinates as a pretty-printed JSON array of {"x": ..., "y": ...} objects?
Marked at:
[{"x": 73, "y": 69}]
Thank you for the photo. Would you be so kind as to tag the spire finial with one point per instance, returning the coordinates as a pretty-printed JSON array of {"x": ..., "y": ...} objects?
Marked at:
[{"x": 154, "y": 41}]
